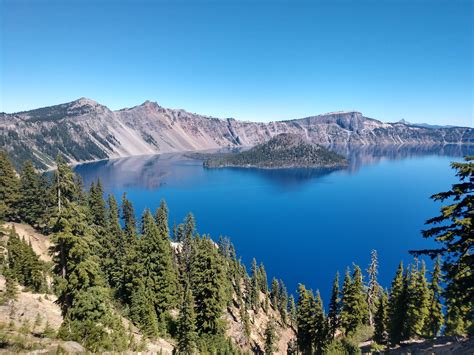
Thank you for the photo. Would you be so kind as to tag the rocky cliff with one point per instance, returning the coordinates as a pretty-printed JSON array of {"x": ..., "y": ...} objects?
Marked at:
[{"x": 85, "y": 130}]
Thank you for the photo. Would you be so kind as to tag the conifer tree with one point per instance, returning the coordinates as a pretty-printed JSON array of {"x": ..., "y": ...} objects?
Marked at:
[
  {"x": 334, "y": 308},
  {"x": 416, "y": 302},
  {"x": 373, "y": 287},
  {"x": 9, "y": 188},
  {"x": 453, "y": 229},
  {"x": 142, "y": 310},
  {"x": 292, "y": 310},
  {"x": 397, "y": 307},
  {"x": 207, "y": 283},
  {"x": 186, "y": 332},
  {"x": 435, "y": 319},
  {"x": 270, "y": 337},
  {"x": 158, "y": 268},
  {"x": 128, "y": 217},
  {"x": 254, "y": 287},
  {"x": 304, "y": 320},
  {"x": 263, "y": 284},
  {"x": 31, "y": 203},
  {"x": 161, "y": 218},
  {"x": 283, "y": 305},
  {"x": 83, "y": 296},
  {"x": 275, "y": 293},
  {"x": 319, "y": 329},
  {"x": 354, "y": 311},
  {"x": 381, "y": 319}
]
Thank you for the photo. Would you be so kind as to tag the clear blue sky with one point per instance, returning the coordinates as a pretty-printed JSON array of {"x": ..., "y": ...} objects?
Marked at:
[{"x": 251, "y": 60}]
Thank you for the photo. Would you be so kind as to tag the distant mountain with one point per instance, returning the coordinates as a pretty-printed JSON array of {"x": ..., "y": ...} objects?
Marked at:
[
  {"x": 424, "y": 125},
  {"x": 84, "y": 130},
  {"x": 286, "y": 150}
]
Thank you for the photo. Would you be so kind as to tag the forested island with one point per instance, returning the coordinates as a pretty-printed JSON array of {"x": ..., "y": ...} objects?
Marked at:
[
  {"x": 286, "y": 150},
  {"x": 122, "y": 284}
]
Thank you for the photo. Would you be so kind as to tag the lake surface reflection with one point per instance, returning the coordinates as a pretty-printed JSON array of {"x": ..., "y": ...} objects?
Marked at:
[{"x": 304, "y": 224}]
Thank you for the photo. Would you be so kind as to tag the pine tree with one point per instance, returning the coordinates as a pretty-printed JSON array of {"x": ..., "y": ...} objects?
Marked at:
[
  {"x": 254, "y": 287},
  {"x": 156, "y": 256},
  {"x": 435, "y": 319},
  {"x": 270, "y": 337},
  {"x": 354, "y": 310},
  {"x": 128, "y": 217},
  {"x": 292, "y": 310},
  {"x": 381, "y": 319},
  {"x": 416, "y": 302},
  {"x": 397, "y": 307},
  {"x": 373, "y": 286},
  {"x": 31, "y": 203},
  {"x": 9, "y": 188},
  {"x": 275, "y": 293},
  {"x": 304, "y": 320},
  {"x": 334, "y": 308},
  {"x": 453, "y": 229},
  {"x": 83, "y": 296},
  {"x": 186, "y": 332},
  {"x": 142, "y": 310},
  {"x": 283, "y": 305},
  {"x": 161, "y": 217},
  {"x": 263, "y": 284},
  {"x": 319, "y": 328},
  {"x": 207, "y": 283}
]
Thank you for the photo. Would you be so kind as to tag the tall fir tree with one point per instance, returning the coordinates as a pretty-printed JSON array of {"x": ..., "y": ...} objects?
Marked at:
[
  {"x": 373, "y": 287},
  {"x": 334, "y": 308},
  {"x": 397, "y": 307},
  {"x": 292, "y": 312},
  {"x": 283, "y": 305},
  {"x": 9, "y": 188},
  {"x": 32, "y": 202},
  {"x": 270, "y": 337},
  {"x": 186, "y": 328},
  {"x": 82, "y": 293},
  {"x": 381, "y": 319},
  {"x": 207, "y": 277},
  {"x": 416, "y": 302},
  {"x": 435, "y": 320},
  {"x": 275, "y": 293},
  {"x": 354, "y": 310},
  {"x": 453, "y": 229},
  {"x": 305, "y": 320},
  {"x": 254, "y": 293}
]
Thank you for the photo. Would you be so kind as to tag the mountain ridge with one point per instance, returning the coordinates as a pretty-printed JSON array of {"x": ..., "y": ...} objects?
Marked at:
[{"x": 84, "y": 130}]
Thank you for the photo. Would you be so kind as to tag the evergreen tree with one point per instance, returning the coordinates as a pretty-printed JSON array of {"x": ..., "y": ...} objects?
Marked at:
[
  {"x": 161, "y": 217},
  {"x": 263, "y": 284},
  {"x": 319, "y": 328},
  {"x": 97, "y": 206},
  {"x": 83, "y": 296},
  {"x": 187, "y": 325},
  {"x": 156, "y": 258},
  {"x": 31, "y": 203},
  {"x": 292, "y": 310},
  {"x": 334, "y": 308},
  {"x": 128, "y": 217},
  {"x": 373, "y": 286},
  {"x": 453, "y": 229},
  {"x": 283, "y": 305},
  {"x": 270, "y": 337},
  {"x": 275, "y": 293},
  {"x": 304, "y": 320},
  {"x": 9, "y": 188},
  {"x": 142, "y": 310},
  {"x": 397, "y": 307},
  {"x": 416, "y": 302},
  {"x": 354, "y": 310},
  {"x": 254, "y": 287},
  {"x": 435, "y": 319},
  {"x": 207, "y": 283},
  {"x": 381, "y": 319}
]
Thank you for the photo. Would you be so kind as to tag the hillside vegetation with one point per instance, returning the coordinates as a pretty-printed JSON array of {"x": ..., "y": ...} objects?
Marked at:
[{"x": 122, "y": 284}]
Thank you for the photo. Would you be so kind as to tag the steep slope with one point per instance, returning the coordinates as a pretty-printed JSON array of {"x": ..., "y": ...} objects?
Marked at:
[{"x": 85, "y": 130}]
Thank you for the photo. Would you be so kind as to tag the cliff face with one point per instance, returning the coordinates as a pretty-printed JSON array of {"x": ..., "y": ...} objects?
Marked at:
[{"x": 84, "y": 130}]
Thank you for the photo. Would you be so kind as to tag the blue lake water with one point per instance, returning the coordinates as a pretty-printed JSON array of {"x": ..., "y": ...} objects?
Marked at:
[{"x": 304, "y": 225}]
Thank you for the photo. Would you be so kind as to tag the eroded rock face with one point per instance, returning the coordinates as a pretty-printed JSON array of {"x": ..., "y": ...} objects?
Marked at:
[{"x": 85, "y": 130}]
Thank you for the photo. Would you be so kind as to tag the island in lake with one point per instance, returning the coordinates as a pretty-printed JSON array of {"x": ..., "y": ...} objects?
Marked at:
[{"x": 285, "y": 150}]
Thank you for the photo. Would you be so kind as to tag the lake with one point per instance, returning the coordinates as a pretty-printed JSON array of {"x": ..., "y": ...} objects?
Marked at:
[{"x": 303, "y": 224}]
